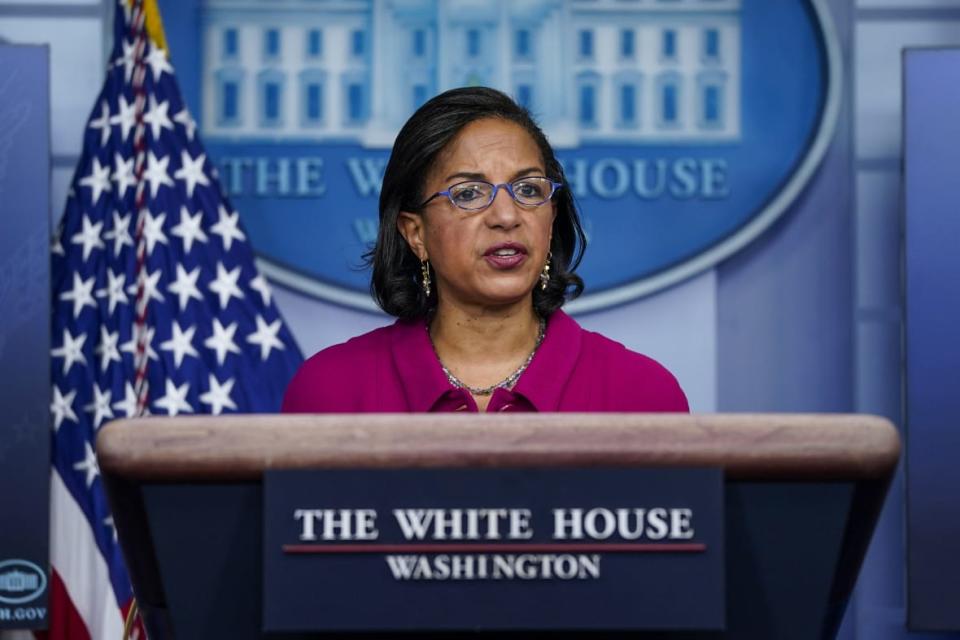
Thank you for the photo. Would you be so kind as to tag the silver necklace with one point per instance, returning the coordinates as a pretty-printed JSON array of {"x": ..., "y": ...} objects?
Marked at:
[{"x": 506, "y": 383}]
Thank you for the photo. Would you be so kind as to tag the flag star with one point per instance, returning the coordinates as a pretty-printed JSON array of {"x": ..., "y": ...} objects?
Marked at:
[
  {"x": 225, "y": 285},
  {"x": 127, "y": 10},
  {"x": 71, "y": 350},
  {"x": 259, "y": 284},
  {"x": 88, "y": 236},
  {"x": 150, "y": 286},
  {"x": 88, "y": 465},
  {"x": 184, "y": 118},
  {"x": 156, "y": 173},
  {"x": 222, "y": 340},
  {"x": 126, "y": 117},
  {"x": 107, "y": 349},
  {"x": 191, "y": 171},
  {"x": 175, "y": 400},
  {"x": 180, "y": 343},
  {"x": 62, "y": 407},
  {"x": 185, "y": 286},
  {"x": 130, "y": 346},
  {"x": 100, "y": 406},
  {"x": 157, "y": 59},
  {"x": 120, "y": 234},
  {"x": 108, "y": 522},
  {"x": 129, "y": 403},
  {"x": 127, "y": 59},
  {"x": 227, "y": 227},
  {"x": 153, "y": 230},
  {"x": 156, "y": 116},
  {"x": 114, "y": 290},
  {"x": 266, "y": 337},
  {"x": 98, "y": 180},
  {"x": 123, "y": 174},
  {"x": 56, "y": 246},
  {"x": 102, "y": 123},
  {"x": 218, "y": 396},
  {"x": 189, "y": 230},
  {"x": 81, "y": 294}
]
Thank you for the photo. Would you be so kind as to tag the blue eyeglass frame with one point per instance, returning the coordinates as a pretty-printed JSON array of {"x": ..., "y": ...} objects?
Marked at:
[{"x": 493, "y": 195}]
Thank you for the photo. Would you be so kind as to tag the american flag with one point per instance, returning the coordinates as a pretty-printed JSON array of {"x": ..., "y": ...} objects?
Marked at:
[{"x": 158, "y": 308}]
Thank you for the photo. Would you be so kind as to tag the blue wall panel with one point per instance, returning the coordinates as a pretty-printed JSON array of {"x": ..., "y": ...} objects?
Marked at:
[
  {"x": 24, "y": 334},
  {"x": 932, "y": 234}
]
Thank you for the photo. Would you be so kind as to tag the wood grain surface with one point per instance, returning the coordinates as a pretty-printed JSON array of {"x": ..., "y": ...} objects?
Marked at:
[{"x": 748, "y": 446}]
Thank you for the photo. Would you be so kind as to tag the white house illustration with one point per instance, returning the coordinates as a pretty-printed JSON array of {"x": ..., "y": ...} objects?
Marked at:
[
  {"x": 590, "y": 70},
  {"x": 17, "y": 581}
]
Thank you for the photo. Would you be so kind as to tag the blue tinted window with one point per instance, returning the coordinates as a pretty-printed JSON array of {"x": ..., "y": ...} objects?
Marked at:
[
  {"x": 358, "y": 43},
  {"x": 314, "y": 42},
  {"x": 669, "y": 43},
  {"x": 587, "y": 99},
  {"x": 670, "y": 105},
  {"x": 271, "y": 43},
  {"x": 230, "y": 43},
  {"x": 711, "y": 104},
  {"x": 355, "y": 101},
  {"x": 586, "y": 43},
  {"x": 524, "y": 95},
  {"x": 419, "y": 42},
  {"x": 628, "y": 103},
  {"x": 473, "y": 42},
  {"x": 711, "y": 43},
  {"x": 230, "y": 96},
  {"x": 523, "y": 43},
  {"x": 627, "y": 43},
  {"x": 271, "y": 101},
  {"x": 314, "y": 101}
]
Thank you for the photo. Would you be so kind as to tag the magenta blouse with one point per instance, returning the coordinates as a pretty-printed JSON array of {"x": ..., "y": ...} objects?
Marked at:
[{"x": 395, "y": 369}]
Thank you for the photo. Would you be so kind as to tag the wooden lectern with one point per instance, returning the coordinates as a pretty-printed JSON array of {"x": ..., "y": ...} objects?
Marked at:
[{"x": 802, "y": 495}]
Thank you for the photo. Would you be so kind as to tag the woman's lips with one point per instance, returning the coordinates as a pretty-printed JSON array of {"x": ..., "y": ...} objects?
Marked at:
[
  {"x": 505, "y": 261},
  {"x": 506, "y": 255}
]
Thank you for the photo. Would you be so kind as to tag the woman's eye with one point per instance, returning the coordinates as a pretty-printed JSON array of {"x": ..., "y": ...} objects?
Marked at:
[
  {"x": 466, "y": 194},
  {"x": 528, "y": 190}
]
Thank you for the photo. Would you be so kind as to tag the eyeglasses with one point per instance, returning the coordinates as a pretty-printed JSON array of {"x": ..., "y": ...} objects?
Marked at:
[{"x": 475, "y": 195}]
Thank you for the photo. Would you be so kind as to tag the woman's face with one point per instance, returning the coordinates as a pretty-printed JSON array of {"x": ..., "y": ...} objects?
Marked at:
[{"x": 491, "y": 257}]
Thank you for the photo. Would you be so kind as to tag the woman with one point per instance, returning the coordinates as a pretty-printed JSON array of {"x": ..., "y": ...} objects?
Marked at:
[{"x": 479, "y": 239}]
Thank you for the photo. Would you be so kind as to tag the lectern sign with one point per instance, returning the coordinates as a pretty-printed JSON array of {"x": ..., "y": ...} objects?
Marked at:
[{"x": 446, "y": 549}]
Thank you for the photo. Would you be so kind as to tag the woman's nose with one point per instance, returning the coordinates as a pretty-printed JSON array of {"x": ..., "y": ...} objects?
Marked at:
[{"x": 504, "y": 210}]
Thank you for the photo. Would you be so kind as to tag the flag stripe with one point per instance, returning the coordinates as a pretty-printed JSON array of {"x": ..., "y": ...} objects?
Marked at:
[
  {"x": 68, "y": 623},
  {"x": 83, "y": 574}
]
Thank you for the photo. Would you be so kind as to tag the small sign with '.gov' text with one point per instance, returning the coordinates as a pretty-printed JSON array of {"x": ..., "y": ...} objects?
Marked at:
[{"x": 493, "y": 549}]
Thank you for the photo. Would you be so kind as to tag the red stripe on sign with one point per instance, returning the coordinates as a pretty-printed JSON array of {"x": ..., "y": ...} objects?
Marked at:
[{"x": 640, "y": 547}]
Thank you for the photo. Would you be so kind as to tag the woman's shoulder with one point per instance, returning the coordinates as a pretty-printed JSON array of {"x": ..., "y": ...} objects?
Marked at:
[
  {"x": 633, "y": 381},
  {"x": 362, "y": 346},
  {"x": 330, "y": 379}
]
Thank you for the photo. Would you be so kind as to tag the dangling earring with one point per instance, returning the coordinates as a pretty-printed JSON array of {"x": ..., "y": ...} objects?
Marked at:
[
  {"x": 545, "y": 274},
  {"x": 425, "y": 272}
]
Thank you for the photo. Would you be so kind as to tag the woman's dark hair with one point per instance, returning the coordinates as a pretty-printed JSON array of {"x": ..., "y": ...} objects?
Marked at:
[{"x": 395, "y": 283}]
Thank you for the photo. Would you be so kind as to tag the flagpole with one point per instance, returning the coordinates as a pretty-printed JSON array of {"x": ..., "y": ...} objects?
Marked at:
[
  {"x": 138, "y": 35},
  {"x": 130, "y": 623},
  {"x": 141, "y": 386}
]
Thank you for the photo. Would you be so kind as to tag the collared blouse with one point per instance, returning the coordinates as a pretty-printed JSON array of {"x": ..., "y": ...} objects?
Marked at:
[{"x": 395, "y": 369}]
